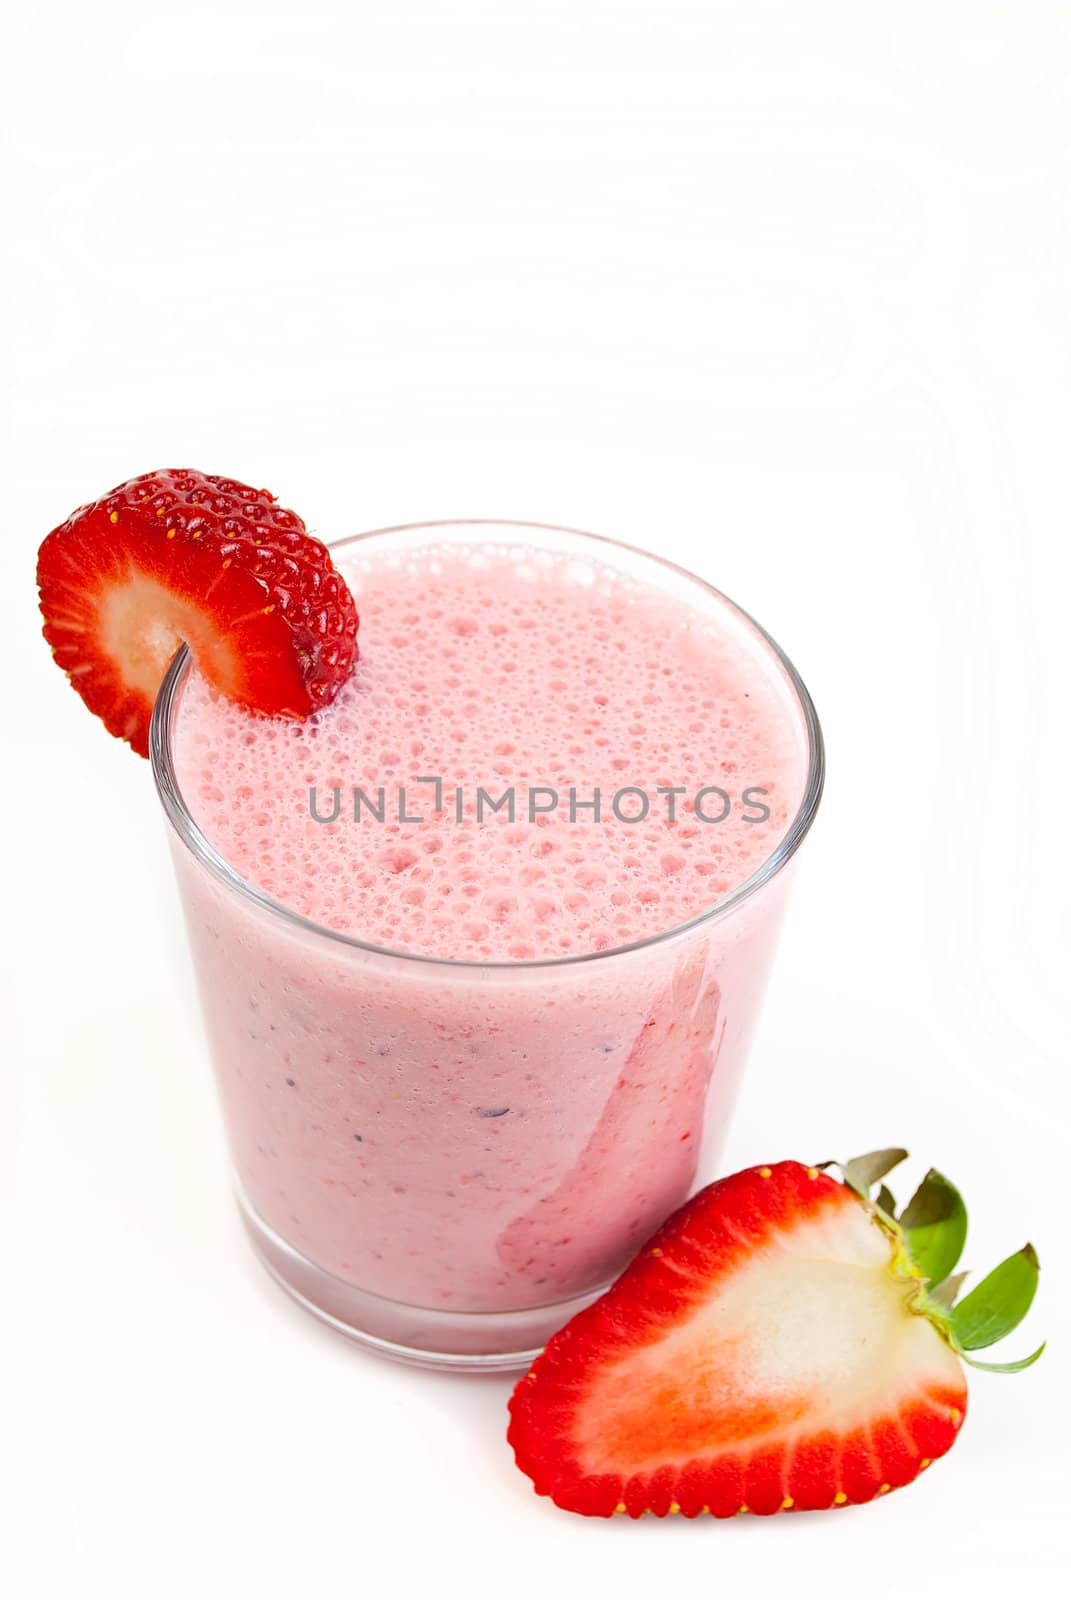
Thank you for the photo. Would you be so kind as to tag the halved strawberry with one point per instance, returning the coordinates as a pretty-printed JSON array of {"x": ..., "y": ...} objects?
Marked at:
[
  {"x": 183, "y": 556},
  {"x": 775, "y": 1347}
]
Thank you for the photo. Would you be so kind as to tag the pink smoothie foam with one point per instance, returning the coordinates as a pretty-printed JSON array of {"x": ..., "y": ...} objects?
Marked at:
[
  {"x": 503, "y": 667},
  {"x": 490, "y": 1137}
]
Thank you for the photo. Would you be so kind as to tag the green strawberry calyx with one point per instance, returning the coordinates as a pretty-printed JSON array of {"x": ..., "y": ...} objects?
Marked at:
[{"x": 928, "y": 1237}]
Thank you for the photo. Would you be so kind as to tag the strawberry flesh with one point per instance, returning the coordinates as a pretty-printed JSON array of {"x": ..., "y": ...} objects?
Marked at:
[
  {"x": 763, "y": 1353},
  {"x": 181, "y": 556}
]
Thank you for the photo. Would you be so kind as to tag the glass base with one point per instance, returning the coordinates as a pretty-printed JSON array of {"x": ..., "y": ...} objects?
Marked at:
[{"x": 457, "y": 1341}]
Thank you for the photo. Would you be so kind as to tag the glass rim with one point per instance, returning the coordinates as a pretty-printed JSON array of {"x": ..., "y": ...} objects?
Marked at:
[{"x": 161, "y": 757}]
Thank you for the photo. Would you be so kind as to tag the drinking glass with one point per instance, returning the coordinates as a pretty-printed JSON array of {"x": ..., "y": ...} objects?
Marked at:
[{"x": 446, "y": 1159}]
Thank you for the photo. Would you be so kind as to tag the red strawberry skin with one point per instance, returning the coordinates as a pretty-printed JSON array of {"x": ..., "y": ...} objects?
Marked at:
[
  {"x": 756, "y": 1356},
  {"x": 181, "y": 555}
]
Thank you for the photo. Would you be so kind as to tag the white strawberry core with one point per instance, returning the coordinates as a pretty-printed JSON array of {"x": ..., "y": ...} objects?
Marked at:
[
  {"x": 143, "y": 623},
  {"x": 811, "y": 1332}
]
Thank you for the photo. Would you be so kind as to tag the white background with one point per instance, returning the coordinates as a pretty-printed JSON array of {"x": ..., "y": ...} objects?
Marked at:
[{"x": 780, "y": 290}]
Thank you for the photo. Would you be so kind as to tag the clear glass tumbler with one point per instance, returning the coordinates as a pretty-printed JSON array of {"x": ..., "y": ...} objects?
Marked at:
[{"x": 465, "y": 1242}]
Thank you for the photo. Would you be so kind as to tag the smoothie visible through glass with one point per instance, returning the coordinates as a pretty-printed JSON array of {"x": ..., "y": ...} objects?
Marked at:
[{"x": 481, "y": 946}]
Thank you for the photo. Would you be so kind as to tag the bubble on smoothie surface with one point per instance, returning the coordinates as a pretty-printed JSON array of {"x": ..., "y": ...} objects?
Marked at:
[{"x": 494, "y": 666}]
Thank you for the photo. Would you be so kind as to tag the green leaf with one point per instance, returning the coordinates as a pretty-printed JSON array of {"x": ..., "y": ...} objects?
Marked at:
[
  {"x": 935, "y": 1225},
  {"x": 863, "y": 1171},
  {"x": 885, "y": 1202},
  {"x": 999, "y": 1303},
  {"x": 945, "y": 1293},
  {"x": 1003, "y": 1366}
]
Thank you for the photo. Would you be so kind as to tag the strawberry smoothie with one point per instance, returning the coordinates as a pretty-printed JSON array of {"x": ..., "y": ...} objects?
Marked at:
[{"x": 481, "y": 944}]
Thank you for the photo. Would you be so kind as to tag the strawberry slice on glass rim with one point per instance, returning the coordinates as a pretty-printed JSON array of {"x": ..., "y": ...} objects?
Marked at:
[{"x": 181, "y": 556}]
